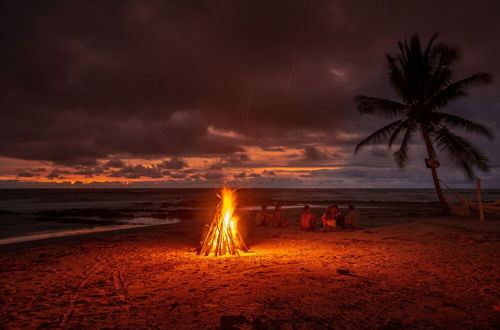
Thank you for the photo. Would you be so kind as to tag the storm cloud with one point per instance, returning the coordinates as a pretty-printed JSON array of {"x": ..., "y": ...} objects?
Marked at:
[{"x": 85, "y": 84}]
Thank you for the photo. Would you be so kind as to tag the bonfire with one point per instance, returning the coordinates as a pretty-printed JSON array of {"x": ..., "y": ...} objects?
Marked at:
[{"x": 223, "y": 236}]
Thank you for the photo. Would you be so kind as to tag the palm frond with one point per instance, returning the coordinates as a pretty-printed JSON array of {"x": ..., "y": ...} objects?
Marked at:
[
  {"x": 379, "y": 135},
  {"x": 462, "y": 123},
  {"x": 457, "y": 89},
  {"x": 397, "y": 131},
  {"x": 401, "y": 156},
  {"x": 463, "y": 153},
  {"x": 440, "y": 73},
  {"x": 377, "y": 106},
  {"x": 397, "y": 78},
  {"x": 446, "y": 53},
  {"x": 430, "y": 43},
  {"x": 466, "y": 167}
]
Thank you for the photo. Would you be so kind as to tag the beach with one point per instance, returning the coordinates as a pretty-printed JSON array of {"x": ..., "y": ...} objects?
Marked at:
[{"x": 402, "y": 269}]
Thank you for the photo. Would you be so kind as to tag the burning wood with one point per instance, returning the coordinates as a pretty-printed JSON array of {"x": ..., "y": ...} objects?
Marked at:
[{"x": 223, "y": 236}]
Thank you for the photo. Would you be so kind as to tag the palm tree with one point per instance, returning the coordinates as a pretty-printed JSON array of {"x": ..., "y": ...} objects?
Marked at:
[{"x": 421, "y": 78}]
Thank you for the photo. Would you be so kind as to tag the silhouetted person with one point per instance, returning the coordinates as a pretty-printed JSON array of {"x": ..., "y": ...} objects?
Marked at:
[
  {"x": 352, "y": 218},
  {"x": 278, "y": 221},
  {"x": 338, "y": 216},
  {"x": 307, "y": 219},
  {"x": 326, "y": 216},
  {"x": 263, "y": 217}
]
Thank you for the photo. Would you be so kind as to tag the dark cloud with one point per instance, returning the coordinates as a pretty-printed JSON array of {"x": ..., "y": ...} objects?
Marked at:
[
  {"x": 236, "y": 159},
  {"x": 216, "y": 167},
  {"x": 213, "y": 176},
  {"x": 88, "y": 171},
  {"x": 174, "y": 163},
  {"x": 178, "y": 175},
  {"x": 88, "y": 80},
  {"x": 380, "y": 153},
  {"x": 268, "y": 173},
  {"x": 115, "y": 163},
  {"x": 30, "y": 172},
  {"x": 274, "y": 149},
  {"x": 138, "y": 171},
  {"x": 336, "y": 156},
  {"x": 27, "y": 174},
  {"x": 314, "y": 154},
  {"x": 58, "y": 174},
  {"x": 342, "y": 173}
]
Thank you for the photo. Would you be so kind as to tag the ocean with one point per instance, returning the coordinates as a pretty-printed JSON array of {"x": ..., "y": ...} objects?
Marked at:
[{"x": 30, "y": 214}]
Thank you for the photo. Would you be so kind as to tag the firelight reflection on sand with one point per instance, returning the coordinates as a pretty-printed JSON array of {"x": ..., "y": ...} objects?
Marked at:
[{"x": 223, "y": 236}]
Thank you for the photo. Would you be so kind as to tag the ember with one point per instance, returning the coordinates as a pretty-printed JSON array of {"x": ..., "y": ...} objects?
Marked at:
[{"x": 223, "y": 236}]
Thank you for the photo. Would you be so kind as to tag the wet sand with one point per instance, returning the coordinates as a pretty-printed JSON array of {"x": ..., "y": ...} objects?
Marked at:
[{"x": 415, "y": 272}]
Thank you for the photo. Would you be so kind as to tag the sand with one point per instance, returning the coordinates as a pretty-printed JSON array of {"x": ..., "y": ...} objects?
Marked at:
[{"x": 421, "y": 272}]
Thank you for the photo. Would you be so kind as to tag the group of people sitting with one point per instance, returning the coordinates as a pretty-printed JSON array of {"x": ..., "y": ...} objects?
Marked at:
[
  {"x": 264, "y": 218},
  {"x": 332, "y": 219}
]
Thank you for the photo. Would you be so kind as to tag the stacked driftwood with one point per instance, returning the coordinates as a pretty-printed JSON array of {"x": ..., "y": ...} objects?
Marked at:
[{"x": 222, "y": 236}]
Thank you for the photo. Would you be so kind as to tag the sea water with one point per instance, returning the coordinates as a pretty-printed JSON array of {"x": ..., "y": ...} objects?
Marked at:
[{"x": 28, "y": 214}]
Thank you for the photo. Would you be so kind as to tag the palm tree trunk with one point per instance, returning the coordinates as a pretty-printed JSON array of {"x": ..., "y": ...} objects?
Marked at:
[{"x": 432, "y": 156}]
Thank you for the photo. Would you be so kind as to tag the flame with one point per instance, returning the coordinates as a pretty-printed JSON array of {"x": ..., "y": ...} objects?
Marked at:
[{"x": 223, "y": 236}]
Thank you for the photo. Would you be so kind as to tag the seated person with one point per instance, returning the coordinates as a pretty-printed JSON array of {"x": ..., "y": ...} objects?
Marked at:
[
  {"x": 338, "y": 216},
  {"x": 352, "y": 218},
  {"x": 329, "y": 223},
  {"x": 278, "y": 221},
  {"x": 326, "y": 216},
  {"x": 307, "y": 219},
  {"x": 263, "y": 217}
]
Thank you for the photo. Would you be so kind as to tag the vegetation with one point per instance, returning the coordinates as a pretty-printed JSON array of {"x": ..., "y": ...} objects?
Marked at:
[{"x": 422, "y": 79}]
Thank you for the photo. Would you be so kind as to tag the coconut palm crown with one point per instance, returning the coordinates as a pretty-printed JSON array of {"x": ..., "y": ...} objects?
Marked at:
[{"x": 422, "y": 79}]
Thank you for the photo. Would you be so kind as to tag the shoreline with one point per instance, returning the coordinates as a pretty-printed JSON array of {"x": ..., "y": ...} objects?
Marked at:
[
  {"x": 40, "y": 236},
  {"x": 74, "y": 239},
  {"x": 191, "y": 216}
]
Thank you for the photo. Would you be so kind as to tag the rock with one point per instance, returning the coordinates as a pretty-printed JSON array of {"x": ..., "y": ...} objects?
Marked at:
[
  {"x": 232, "y": 322},
  {"x": 264, "y": 322},
  {"x": 393, "y": 324}
]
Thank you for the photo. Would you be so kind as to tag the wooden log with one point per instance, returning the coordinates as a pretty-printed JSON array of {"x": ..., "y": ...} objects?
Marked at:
[{"x": 221, "y": 238}]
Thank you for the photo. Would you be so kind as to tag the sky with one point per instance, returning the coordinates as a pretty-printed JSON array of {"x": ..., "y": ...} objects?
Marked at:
[{"x": 145, "y": 93}]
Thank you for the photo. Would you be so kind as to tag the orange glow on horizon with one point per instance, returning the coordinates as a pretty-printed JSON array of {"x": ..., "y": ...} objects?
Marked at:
[
  {"x": 260, "y": 162},
  {"x": 298, "y": 169}
]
